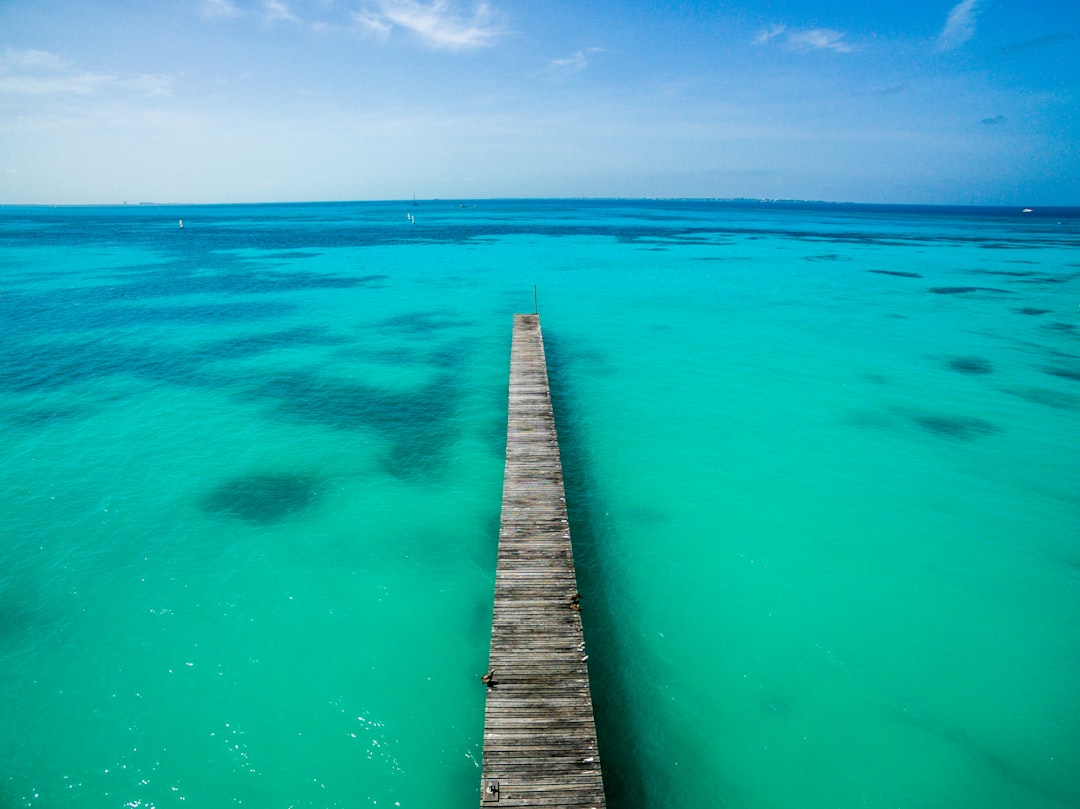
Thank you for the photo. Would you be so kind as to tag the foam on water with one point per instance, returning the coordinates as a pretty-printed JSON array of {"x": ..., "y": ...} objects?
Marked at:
[{"x": 820, "y": 462}]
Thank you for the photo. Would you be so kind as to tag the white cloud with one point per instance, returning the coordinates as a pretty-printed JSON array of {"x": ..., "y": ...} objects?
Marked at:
[
  {"x": 219, "y": 9},
  {"x": 372, "y": 23},
  {"x": 770, "y": 34},
  {"x": 959, "y": 27},
  {"x": 819, "y": 39},
  {"x": 29, "y": 59},
  {"x": 276, "y": 11},
  {"x": 268, "y": 11},
  {"x": 440, "y": 24},
  {"x": 807, "y": 39},
  {"x": 575, "y": 62},
  {"x": 32, "y": 72},
  {"x": 152, "y": 84},
  {"x": 40, "y": 73}
]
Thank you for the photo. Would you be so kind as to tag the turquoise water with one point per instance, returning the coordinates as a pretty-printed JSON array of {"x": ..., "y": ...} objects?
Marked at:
[{"x": 821, "y": 464}]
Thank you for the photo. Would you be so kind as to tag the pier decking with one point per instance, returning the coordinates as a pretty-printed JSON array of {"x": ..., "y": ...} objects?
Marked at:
[{"x": 539, "y": 736}]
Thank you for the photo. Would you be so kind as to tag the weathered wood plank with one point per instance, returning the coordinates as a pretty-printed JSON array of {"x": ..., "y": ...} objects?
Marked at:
[{"x": 539, "y": 735}]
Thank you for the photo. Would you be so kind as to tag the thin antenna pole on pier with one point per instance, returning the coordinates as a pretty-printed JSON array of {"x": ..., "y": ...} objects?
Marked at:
[{"x": 536, "y": 309}]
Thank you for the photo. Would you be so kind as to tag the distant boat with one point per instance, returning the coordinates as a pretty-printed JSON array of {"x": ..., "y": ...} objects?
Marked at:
[
  {"x": 1026, "y": 210},
  {"x": 414, "y": 200},
  {"x": 181, "y": 223}
]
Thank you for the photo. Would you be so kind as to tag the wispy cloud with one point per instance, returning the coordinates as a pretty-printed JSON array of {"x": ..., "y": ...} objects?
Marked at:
[
  {"x": 276, "y": 11},
  {"x": 820, "y": 39},
  {"x": 14, "y": 59},
  {"x": 219, "y": 9},
  {"x": 440, "y": 24},
  {"x": 805, "y": 39},
  {"x": 372, "y": 23},
  {"x": 151, "y": 84},
  {"x": 959, "y": 27},
  {"x": 575, "y": 62},
  {"x": 32, "y": 72},
  {"x": 268, "y": 11},
  {"x": 769, "y": 34},
  {"x": 40, "y": 73}
]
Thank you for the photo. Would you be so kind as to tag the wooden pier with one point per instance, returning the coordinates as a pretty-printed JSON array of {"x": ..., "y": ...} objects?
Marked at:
[{"x": 539, "y": 736}]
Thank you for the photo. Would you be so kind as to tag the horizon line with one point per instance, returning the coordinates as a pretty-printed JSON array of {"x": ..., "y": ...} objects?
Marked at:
[{"x": 410, "y": 200}]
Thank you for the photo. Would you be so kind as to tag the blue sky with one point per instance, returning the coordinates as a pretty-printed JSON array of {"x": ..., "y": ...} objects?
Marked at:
[{"x": 969, "y": 102}]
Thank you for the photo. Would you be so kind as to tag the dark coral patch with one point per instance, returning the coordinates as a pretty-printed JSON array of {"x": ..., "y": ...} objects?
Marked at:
[
  {"x": 1047, "y": 279},
  {"x": 1008, "y": 273},
  {"x": 1030, "y": 310},
  {"x": 963, "y": 428},
  {"x": 897, "y": 273},
  {"x": 41, "y": 417},
  {"x": 418, "y": 423},
  {"x": 1046, "y": 396},
  {"x": 971, "y": 365},
  {"x": 966, "y": 290},
  {"x": 1064, "y": 373},
  {"x": 826, "y": 257},
  {"x": 17, "y": 616},
  {"x": 292, "y": 255},
  {"x": 262, "y": 499},
  {"x": 262, "y": 342},
  {"x": 422, "y": 323}
]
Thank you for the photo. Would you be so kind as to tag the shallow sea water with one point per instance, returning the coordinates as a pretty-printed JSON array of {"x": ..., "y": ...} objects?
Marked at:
[{"x": 820, "y": 460}]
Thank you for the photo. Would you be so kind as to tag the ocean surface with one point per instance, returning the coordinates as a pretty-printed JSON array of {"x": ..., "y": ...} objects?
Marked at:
[{"x": 822, "y": 461}]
